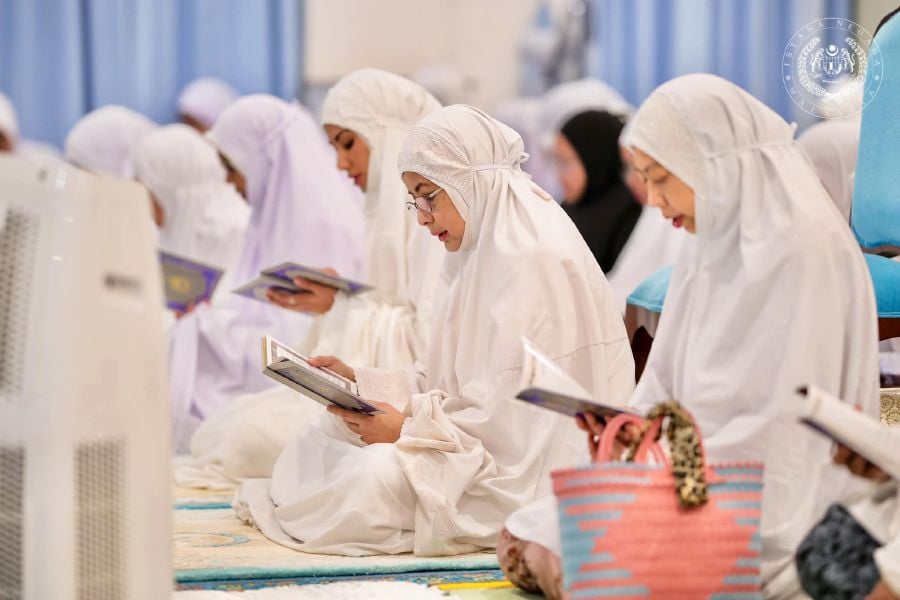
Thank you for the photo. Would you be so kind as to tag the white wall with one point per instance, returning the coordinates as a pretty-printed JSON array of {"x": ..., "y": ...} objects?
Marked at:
[
  {"x": 476, "y": 37},
  {"x": 870, "y": 12}
]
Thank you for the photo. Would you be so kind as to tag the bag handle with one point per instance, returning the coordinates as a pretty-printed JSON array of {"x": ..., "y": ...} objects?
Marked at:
[
  {"x": 685, "y": 445},
  {"x": 608, "y": 439}
]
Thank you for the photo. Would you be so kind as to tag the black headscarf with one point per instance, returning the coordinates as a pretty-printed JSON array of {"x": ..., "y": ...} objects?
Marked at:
[{"x": 606, "y": 213}]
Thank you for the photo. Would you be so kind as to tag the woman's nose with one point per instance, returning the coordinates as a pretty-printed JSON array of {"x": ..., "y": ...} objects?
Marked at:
[
  {"x": 654, "y": 198},
  {"x": 423, "y": 217}
]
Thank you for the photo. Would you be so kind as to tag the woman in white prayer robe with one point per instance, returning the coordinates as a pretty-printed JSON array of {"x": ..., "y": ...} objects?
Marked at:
[
  {"x": 203, "y": 100},
  {"x": 770, "y": 293},
  {"x": 202, "y": 216},
  {"x": 302, "y": 210},
  {"x": 454, "y": 452},
  {"x": 366, "y": 116},
  {"x": 102, "y": 141}
]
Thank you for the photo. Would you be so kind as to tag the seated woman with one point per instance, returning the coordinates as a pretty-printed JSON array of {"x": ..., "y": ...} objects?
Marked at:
[
  {"x": 595, "y": 195},
  {"x": 366, "y": 117},
  {"x": 276, "y": 153},
  {"x": 770, "y": 294},
  {"x": 200, "y": 216},
  {"x": 454, "y": 452}
]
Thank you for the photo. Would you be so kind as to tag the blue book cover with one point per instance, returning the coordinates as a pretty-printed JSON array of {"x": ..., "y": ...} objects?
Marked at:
[{"x": 187, "y": 281}]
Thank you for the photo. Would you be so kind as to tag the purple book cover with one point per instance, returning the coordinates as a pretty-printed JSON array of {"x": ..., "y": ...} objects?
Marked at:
[
  {"x": 187, "y": 281},
  {"x": 288, "y": 271}
]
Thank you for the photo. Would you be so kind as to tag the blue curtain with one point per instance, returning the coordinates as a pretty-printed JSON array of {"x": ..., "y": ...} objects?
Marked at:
[
  {"x": 642, "y": 43},
  {"x": 62, "y": 58}
]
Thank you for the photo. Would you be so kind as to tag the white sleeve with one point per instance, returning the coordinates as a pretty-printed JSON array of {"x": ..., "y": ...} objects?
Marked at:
[{"x": 365, "y": 332}]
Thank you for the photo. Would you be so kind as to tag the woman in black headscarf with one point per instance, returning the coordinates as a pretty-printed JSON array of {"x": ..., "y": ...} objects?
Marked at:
[{"x": 596, "y": 198}]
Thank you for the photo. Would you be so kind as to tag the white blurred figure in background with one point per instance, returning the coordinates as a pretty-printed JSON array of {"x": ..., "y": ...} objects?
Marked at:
[
  {"x": 446, "y": 84},
  {"x": 103, "y": 140},
  {"x": 203, "y": 100},
  {"x": 523, "y": 114},
  {"x": 201, "y": 216},
  {"x": 12, "y": 142},
  {"x": 831, "y": 147}
]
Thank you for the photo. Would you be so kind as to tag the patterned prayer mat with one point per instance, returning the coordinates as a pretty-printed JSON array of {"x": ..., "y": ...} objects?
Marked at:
[
  {"x": 185, "y": 498},
  {"x": 213, "y": 549}
]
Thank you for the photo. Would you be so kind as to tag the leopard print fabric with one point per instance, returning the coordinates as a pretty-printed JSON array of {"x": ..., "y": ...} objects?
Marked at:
[{"x": 684, "y": 446}]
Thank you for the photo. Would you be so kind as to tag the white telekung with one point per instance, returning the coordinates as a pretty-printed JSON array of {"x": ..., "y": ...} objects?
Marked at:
[{"x": 85, "y": 509}]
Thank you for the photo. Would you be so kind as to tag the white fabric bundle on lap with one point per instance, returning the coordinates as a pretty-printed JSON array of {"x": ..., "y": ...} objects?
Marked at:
[{"x": 468, "y": 453}]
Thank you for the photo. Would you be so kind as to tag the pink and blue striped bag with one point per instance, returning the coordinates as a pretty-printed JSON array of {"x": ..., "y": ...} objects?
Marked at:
[{"x": 625, "y": 533}]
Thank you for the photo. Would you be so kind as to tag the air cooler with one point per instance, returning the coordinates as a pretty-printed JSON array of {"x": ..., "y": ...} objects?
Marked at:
[{"x": 85, "y": 510}]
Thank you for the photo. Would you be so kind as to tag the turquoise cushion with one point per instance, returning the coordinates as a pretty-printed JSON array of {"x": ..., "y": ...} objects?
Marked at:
[
  {"x": 886, "y": 280},
  {"x": 885, "y": 273},
  {"x": 876, "y": 193},
  {"x": 651, "y": 293}
]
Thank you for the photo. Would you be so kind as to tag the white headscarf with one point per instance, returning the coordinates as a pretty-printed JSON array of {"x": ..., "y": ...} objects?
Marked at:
[
  {"x": 204, "y": 99},
  {"x": 205, "y": 218},
  {"x": 9, "y": 124},
  {"x": 566, "y": 100},
  {"x": 772, "y": 294},
  {"x": 831, "y": 146},
  {"x": 471, "y": 452},
  {"x": 382, "y": 107},
  {"x": 302, "y": 211},
  {"x": 103, "y": 140}
]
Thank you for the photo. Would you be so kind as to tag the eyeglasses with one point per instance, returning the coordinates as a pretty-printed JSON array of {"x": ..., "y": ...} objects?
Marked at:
[{"x": 423, "y": 203}]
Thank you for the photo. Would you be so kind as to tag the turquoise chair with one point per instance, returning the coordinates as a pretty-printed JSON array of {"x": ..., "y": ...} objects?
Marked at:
[
  {"x": 642, "y": 311},
  {"x": 875, "y": 215}
]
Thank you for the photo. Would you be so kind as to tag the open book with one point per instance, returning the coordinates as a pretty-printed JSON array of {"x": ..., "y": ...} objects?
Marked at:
[
  {"x": 281, "y": 277},
  {"x": 547, "y": 385},
  {"x": 326, "y": 387},
  {"x": 187, "y": 281},
  {"x": 877, "y": 443}
]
